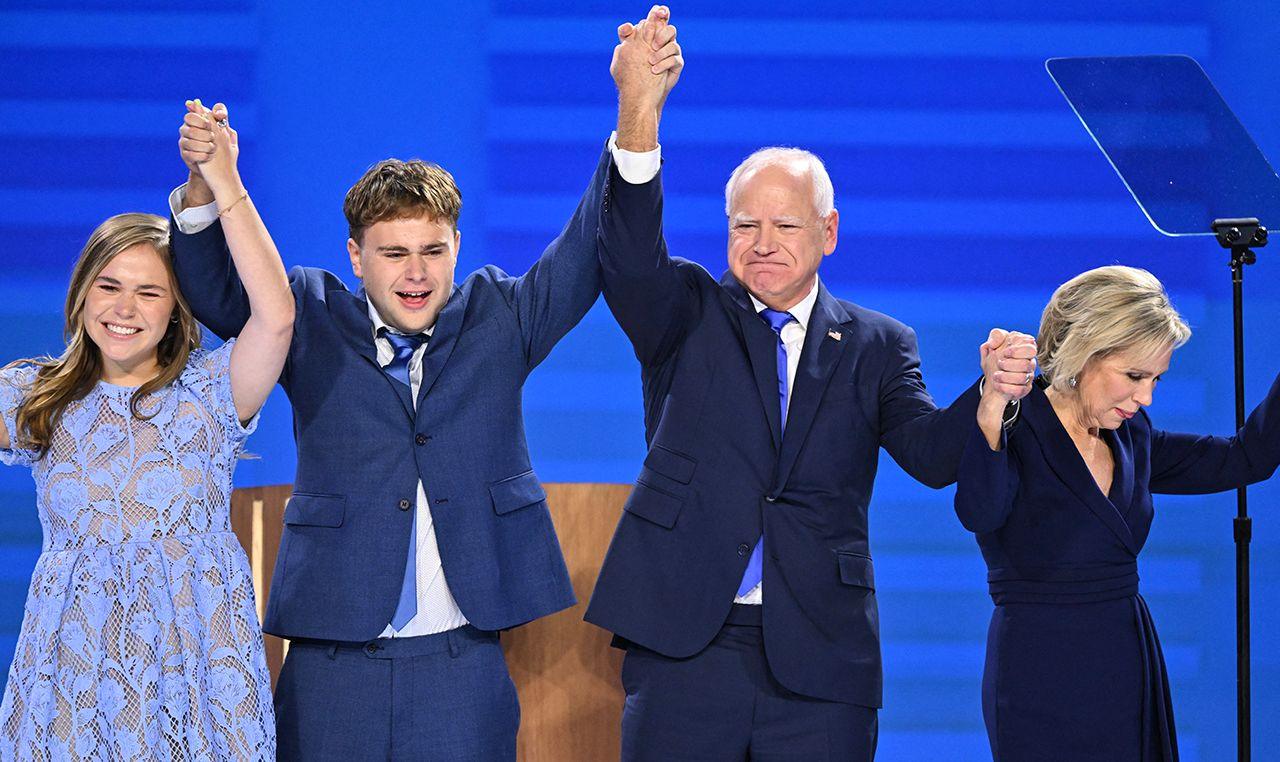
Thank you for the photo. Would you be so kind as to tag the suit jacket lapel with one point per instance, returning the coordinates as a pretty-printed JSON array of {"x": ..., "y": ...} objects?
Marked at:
[
  {"x": 443, "y": 338},
  {"x": 1122, "y": 479},
  {"x": 818, "y": 359},
  {"x": 1064, "y": 459},
  {"x": 761, "y": 344},
  {"x": 1136, "y": 514},
  {"x": 351, "y": 314}
]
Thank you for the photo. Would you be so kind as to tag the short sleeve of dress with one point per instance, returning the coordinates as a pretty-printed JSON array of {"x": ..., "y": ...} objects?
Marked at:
[
  {"x": 14, "y": 384},
  {"x": 208, "y": 377}
]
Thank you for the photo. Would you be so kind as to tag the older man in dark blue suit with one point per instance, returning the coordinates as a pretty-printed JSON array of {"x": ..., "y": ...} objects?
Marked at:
[
  {"x": 740, "y": 577},
  {"x": 417, "y": 529}
]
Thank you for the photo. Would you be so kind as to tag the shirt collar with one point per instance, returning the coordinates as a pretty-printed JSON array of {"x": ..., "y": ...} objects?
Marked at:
[
  {"x": 379, "y": 323},
  {"x": 800, "y": 312}
]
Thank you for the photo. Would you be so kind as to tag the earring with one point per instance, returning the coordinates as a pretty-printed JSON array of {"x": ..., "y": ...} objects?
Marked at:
[{"x": 1072, "y": 382}]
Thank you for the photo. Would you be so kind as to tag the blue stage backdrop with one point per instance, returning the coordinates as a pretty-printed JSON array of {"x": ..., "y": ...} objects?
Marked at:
[{"x": 967, "y": 191}]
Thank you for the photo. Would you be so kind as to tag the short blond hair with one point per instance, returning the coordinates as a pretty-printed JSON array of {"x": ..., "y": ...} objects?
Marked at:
[
  {"x": 394, "y": 189},
  {"x": 1103, "y": 311}
]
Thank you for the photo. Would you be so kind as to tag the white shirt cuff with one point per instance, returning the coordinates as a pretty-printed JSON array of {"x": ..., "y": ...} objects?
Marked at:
[
  {"x": 195, "y": 219},
  {"x": 635, "y": 168}
]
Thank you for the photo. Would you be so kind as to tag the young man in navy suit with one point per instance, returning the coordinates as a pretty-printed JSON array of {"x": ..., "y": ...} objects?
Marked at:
[
  {"x": 417, "y": 528},
  {"x": 740, "y": 578}
]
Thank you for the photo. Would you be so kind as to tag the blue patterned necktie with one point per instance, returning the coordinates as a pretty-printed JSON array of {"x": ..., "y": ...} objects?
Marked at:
[
  {"x": 404, "y": 347},
  {"x": 751, "y": 577}
]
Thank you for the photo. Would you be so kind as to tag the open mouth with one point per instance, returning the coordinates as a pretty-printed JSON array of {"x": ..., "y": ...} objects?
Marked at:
[
  {"x": 121, "y": 331},
  {"x": 413, "y": 299}
]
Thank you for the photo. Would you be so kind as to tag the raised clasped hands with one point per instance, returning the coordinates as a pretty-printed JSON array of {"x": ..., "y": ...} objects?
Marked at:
[
  {"x": 1008, "y": 365},
  {"x": 646, "y": 65},
  {"x": 209, "y": 147}
]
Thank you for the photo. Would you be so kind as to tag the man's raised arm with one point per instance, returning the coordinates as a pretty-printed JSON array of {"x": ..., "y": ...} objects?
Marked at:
[
  {"x": 641, "y": 284},
  {"x": 201, "y": 260}
]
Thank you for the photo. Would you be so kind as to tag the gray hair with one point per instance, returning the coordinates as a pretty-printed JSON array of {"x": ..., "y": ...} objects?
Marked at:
[
  {"x": 1103, "y": 311},
  {"x": 795, "y": 160}
]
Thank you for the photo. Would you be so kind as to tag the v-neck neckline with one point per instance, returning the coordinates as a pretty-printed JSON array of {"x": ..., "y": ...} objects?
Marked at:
[
  {"x": 1064, "y": 458},
  {"x": 1109, "y": 441}
]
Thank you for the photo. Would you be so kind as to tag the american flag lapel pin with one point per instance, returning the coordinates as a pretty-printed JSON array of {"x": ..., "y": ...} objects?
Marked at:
[{"x": 833, "y": 333}]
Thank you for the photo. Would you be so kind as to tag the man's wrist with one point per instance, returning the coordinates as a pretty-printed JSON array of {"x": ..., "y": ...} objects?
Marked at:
[
  {"x": 991, "y": 403},
  {"x": 637, "y": 126},
  {"x": 197, "y": 193}
]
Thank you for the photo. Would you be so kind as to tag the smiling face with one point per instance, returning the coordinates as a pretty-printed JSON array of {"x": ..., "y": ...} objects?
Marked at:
[
  {"x": 127, "y": 311},
  {"x": 776, "y": 238},
  {"x": 1111, "y": 389},
  {"x": 407, "y": 267}
]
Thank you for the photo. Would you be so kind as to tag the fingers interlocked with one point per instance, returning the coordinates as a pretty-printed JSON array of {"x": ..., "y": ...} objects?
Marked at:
[
  {"x": 196, "y": 138},
  {"x": 1009, "y": 363},
  {"x": 1016, "y": 359},
  {"x": 659, "y": 36}
]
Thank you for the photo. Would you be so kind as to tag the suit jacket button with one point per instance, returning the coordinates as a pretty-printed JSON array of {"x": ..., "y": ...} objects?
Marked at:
[
  {"x": 421, "y": 439},
  {"x": 404, "y": 504},
  {"x": 371, "y": 649},
  {"x": 770, "y": 499},
  {"x": 744, "y": 549}
]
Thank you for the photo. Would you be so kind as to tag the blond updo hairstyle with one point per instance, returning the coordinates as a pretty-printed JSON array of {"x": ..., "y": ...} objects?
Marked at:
[{"x": 1100, "y": 312}]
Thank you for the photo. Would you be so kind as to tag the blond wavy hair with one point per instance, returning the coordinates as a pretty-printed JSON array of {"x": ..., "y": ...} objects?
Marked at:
[
  {"x": 1103, "y": 311},
  {"x": 62, "y": 380}
]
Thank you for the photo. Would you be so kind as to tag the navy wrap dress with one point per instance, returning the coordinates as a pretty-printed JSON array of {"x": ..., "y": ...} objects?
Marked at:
[{"x": 1074, "y": 669}]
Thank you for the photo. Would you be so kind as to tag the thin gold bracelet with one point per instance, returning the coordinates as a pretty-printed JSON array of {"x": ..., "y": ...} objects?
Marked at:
[{"x": 243, "y": 196}]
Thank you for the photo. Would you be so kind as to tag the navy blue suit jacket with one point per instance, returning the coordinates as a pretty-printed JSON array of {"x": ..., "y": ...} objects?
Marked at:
[
  {"x": 1023, "y": 501},
  {"x": 719, "y": 469},
  {"x": 362, "y": 448}
]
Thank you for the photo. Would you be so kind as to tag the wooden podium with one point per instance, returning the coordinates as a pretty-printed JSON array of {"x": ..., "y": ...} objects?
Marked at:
[{"x": 564, "y": 670}]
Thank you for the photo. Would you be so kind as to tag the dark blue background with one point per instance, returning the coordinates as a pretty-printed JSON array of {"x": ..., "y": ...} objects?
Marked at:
[{"x": 967, "y": 191}]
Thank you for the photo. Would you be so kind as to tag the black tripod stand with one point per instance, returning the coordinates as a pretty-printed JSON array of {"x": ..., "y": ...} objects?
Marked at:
[{"x": 1241, "y": 236}]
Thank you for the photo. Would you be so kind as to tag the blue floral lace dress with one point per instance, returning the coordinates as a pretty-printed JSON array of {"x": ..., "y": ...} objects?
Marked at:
[{"x": 140, "y": 638}]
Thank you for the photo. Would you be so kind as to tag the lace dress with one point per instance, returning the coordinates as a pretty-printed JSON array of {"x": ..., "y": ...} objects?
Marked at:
[{"x": 140, "y": 638}]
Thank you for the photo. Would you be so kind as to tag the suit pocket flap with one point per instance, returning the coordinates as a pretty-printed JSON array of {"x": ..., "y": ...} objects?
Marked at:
[
  {"x": 670, "y": 464},
  {"x": 516, "y": 492},
  {"x": 856, "y": 570},
  {"x": 658, "y": 507},
  {"x": 315, "y": 510}
]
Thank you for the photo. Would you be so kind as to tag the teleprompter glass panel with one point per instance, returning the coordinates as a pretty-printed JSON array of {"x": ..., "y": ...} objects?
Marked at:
[{"x": 1173, "y": 140}]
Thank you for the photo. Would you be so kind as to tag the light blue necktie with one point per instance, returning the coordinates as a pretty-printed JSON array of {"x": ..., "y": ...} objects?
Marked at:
[
  {"x": 751, "y": 577},
  {"x": 404, "y": 347}
]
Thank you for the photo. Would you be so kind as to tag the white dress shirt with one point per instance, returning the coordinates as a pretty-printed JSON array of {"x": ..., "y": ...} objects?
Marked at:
[{"x": 437, "y": 611}]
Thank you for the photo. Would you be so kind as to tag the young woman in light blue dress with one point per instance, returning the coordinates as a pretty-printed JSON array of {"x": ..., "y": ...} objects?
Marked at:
[{"x": 140, "y": 638}]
